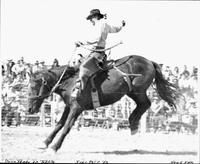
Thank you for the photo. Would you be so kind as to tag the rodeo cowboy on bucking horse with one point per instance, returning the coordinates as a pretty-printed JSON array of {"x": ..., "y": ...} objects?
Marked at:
[{"x": 97, "y": 58}]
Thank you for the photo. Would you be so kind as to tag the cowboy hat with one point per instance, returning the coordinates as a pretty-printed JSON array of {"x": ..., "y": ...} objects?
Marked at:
[{"x": 94, "y": 13}]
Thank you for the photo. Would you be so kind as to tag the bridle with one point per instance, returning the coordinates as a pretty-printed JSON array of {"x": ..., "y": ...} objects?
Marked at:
[
  {"x": 40, "y": 96},
  {"x": 44, "y": 83}
]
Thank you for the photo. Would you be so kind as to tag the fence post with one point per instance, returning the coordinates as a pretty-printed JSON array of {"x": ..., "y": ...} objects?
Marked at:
[
  {"x": 143, "y": 123},
  {"x": 42, "y": 117},
  {"x": 53, "y": 114}
]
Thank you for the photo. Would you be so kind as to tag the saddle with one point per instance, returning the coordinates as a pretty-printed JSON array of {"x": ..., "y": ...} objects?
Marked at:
[{"x": 106, "y": 65}]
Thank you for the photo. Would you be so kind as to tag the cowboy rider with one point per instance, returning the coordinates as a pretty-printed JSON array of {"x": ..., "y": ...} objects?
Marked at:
[{"x": 92, "y": 63}]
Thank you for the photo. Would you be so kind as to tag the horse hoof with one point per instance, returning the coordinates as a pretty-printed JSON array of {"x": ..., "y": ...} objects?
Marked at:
[
  {"x": 42, "y": 146},
  {"x": 50, "y": 151},
  {"x": 133, "y": 132}
]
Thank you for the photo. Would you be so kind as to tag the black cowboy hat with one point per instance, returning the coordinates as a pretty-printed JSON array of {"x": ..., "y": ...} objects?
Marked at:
[{"x": 94, "y": 13}]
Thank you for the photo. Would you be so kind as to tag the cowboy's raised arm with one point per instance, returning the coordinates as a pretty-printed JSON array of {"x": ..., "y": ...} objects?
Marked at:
[{"x": 114, "y": 29}]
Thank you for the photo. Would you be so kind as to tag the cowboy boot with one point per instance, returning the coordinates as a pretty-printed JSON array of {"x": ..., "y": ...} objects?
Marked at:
[
  {"x": 80, "y": 85},
  {"x": 83, "y": 82},
  {"x": 76, "y": 89}
]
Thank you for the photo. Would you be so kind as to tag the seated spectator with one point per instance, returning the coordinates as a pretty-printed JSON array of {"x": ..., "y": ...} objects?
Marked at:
[
  {"x": 191, "y": 104},
  {"x": 156, "y": 105},
  {"x": 175, "y": 81}
]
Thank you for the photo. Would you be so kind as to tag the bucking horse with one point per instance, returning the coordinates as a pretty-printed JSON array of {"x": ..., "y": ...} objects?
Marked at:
[{"x": 131, "y": 75}]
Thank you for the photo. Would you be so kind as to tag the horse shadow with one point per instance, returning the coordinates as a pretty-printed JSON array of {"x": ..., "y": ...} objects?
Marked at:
[{"x": 145, "y": 152}]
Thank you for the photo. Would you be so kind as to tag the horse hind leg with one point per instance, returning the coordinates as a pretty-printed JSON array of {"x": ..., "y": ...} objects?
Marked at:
[{"x": 143, "y": 103}]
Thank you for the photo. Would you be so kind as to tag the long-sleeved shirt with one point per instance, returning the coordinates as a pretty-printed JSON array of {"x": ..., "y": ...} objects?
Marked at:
[{"x": 102, "y": 29}]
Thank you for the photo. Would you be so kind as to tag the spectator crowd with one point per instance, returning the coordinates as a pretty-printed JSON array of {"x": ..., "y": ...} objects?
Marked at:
[{"x": 15, "y": 76}]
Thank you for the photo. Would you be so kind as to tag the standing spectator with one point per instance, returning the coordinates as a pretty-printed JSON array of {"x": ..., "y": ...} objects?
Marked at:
[
  {"x": 184, "y": 79},
  {"x": 167, "y": 72},
  {"x": 22, "y": 60},
  {"x": 176, "y": 72},
  {"x": 2, "y": 70},
  {"x": 23, "y": 64},
  {"x": 185, "y": 71},
  {"x": 10, "y": 64},
  {"x": 194, "y": 80},
  {"x": 19, "y": 69},
  {"x": 29, "y": 71},
  {"x": 194, "y": 72},
  {"x": 36, "y": 67},
  {"x": 42, "y": 65},
  {"x": 55, "y": 63}
]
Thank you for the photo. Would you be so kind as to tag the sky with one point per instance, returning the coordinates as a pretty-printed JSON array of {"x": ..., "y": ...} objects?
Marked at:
[{"x": 166, "y": 32}]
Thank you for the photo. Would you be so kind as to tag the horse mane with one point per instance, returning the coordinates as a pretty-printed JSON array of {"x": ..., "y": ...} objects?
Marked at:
[
  {"x": 56, "y": 72},
  {"x": 69, "y": 71}
]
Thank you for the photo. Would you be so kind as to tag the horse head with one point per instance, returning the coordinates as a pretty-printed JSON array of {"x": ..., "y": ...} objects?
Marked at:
[
  {"x": 39, "y": 88},
  {"x": 43, "y": 83}
]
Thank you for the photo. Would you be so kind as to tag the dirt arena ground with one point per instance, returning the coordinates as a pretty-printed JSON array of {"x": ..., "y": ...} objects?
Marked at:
[{"x": 99, "y": 146}]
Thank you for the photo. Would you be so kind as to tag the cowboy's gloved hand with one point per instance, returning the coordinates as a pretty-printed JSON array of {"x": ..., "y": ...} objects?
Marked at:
[
  {"x": 123, "y": 23},
  {"x": 78, "y": 44}
]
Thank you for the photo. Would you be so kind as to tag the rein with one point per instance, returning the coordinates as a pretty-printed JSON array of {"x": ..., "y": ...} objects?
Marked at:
[{"x": 101, "y": 50}]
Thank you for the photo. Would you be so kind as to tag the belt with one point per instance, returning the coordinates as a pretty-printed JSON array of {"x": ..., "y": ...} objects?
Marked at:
[{"x": 98, "y": 48}]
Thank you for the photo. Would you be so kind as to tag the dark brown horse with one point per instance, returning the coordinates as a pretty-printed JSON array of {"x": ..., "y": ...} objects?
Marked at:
[{"x": 111, "y": 87}]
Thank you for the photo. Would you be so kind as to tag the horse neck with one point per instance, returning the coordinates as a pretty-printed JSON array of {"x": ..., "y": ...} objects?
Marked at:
[
  {"x": 52, "y": 77},
  {"x": 67, "y": 80}
]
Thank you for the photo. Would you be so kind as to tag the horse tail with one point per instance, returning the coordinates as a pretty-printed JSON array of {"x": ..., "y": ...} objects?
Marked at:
[{"x": 166, "y": 90}]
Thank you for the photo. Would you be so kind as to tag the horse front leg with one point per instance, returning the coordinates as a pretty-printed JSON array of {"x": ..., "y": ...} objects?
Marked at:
[
  {"x": 59, "y": 126},
  {"x": 75, "y": 111}
]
